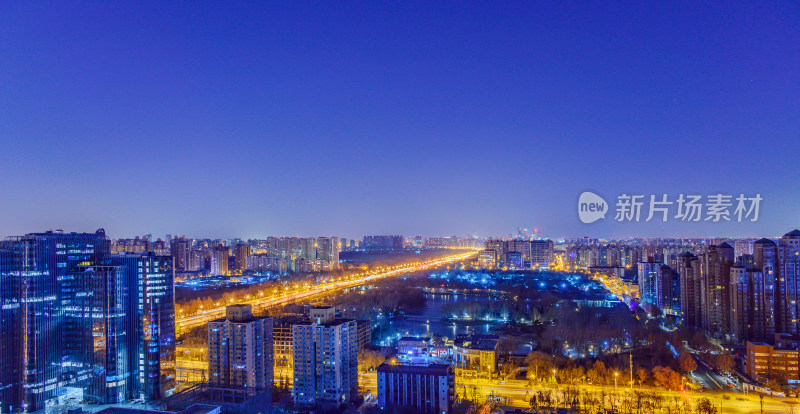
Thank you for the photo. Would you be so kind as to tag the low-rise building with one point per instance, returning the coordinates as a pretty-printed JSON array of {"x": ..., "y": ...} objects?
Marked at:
[
  {"x": 426, "y": 388},
  {"x": 476, "y": 352},
  {"x": 413, "y": 346},
  {"x": 764, "y": 361}
]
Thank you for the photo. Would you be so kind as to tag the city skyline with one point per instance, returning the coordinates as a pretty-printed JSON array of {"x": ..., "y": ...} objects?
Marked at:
[
  {"x": 410, "y": 207},
  {"x": 243, "y": 121}
]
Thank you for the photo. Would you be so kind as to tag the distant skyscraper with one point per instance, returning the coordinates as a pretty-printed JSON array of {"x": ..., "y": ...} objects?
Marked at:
[
  {"x": 219, "y": 260},
  {"x": 523, "y": 247},
  {"x": 789, "y": 282},
  {"x": 328, "y": 251},
  {"x": 648, "y": 282},
  {"x": 766, "y": 288},
  {"x": 325, "y": 360},
  {"x": 668, "y": 291},
  {"x": 750, "y": 316},
  {"x": 240, "y": 350},
  {"x": 514, "y": 260},
  {"x": 541, "y": 253},
  {"x": 240, "y": 257},
  {"x": 741, "y": 247},
  {"x": 487, "y": 259},
  {"x": 691, "y": 302},
  {"x": 382, "y": 242},
  {"x": 498, "y": 247},
  {"x": 179, "y": 250},
  {"x": 716, "y": 264},
  {"x": 199, "y": 260}
]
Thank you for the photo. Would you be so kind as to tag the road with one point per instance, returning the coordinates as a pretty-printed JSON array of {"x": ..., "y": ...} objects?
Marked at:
[
  {"x": 519, "y": 391},
  {"x": 349, "y": 281},
  {"x": 709, "y": 379}
]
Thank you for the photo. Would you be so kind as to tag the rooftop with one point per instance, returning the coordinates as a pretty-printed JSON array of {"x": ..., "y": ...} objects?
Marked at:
[
  {"x": 416, "y": 368},
  {"x": 793, "y": 233}
]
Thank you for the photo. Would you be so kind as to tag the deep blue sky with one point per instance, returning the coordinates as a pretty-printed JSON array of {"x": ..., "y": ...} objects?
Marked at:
[{"x": 350, "y": 118}]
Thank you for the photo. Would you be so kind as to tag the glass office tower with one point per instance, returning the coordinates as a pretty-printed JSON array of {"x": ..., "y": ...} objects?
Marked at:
[
  {"x": 95, "y": 355},
  {"x": 35, "y": 267},
  {"x": 80, "y": 322},
  {"x": 150, "y": 281}
]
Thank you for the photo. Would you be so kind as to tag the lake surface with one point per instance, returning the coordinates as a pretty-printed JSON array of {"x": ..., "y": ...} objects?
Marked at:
[{"x": 427, "y": 320}]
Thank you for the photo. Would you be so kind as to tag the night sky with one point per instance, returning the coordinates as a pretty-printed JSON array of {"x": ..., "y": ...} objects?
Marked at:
[{"x": 350, "y": 118}]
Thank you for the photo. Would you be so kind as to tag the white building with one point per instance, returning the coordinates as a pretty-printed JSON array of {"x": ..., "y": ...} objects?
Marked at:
[
  {"x": 325, "y": 360},
  {"x": 240, "y": 350}
]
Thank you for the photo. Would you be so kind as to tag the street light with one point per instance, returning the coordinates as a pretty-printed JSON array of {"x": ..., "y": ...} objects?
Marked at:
[{"x": 616, "y": 374}]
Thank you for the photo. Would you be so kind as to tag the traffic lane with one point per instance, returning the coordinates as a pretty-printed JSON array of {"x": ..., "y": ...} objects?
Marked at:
[{"x": 709, "y": 378}]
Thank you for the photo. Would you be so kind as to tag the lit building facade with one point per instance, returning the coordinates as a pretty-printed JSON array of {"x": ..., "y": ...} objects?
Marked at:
[
  {"x": 766, "y": 361},
  {"x": 150, "y": 321},
  {"x": 419, "y": 388},
  {"x": 325, "y": 361},
  {"x": 219, "y": 261},
  {"x": 240, "y": 350},
  {"x": 75, "y": 319}
]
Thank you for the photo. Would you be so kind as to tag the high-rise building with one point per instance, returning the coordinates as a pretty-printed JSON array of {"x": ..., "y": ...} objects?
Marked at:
[
  {"x": 241, "y": 251},
  {"x": 498, "y": 247},
  {"x": 179, "y": 250},
  {"x": 766, "y": 290},
  {"x": 382, "y": 242},
  {"x": 282, "y": 344},
  {"x": 10, "y": 348},
  {"x": 523, "y": 247},
  {"x": 541, "y": 253},
  {"x": 219, "y": 260},
  {"x": 487, "y": 259},
  {"x": 111, "y": 332},
  {"x": 741, "y": 247},
  {"x": 95, "y": 333},
  {"x": 77, "y": 318},
  {"x": 427, "y": 388},
  {"x": 150, "y": 321},
  {"x": 199, "y": 260},
  {"x": 325, "y": 360},
  {"x": 33, "y": 294},
  {"x": 265, "y": 262},
  {"x": 514, "y": 260},
  {"x": 752, "y": 316},
  {"x": 668, "y": 291},
  {"x": 328, "y": 251},
  {"x": 240, "y": 351},
  {"x": 715, "y": 274},
  {"x": 648, "y": 282},
  {"x": 691, "y": 302},
  {"x": 789, "y": 282}
]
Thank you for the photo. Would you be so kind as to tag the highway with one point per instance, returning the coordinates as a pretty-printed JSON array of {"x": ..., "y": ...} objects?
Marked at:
[{"x": 351, "y": 280}]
